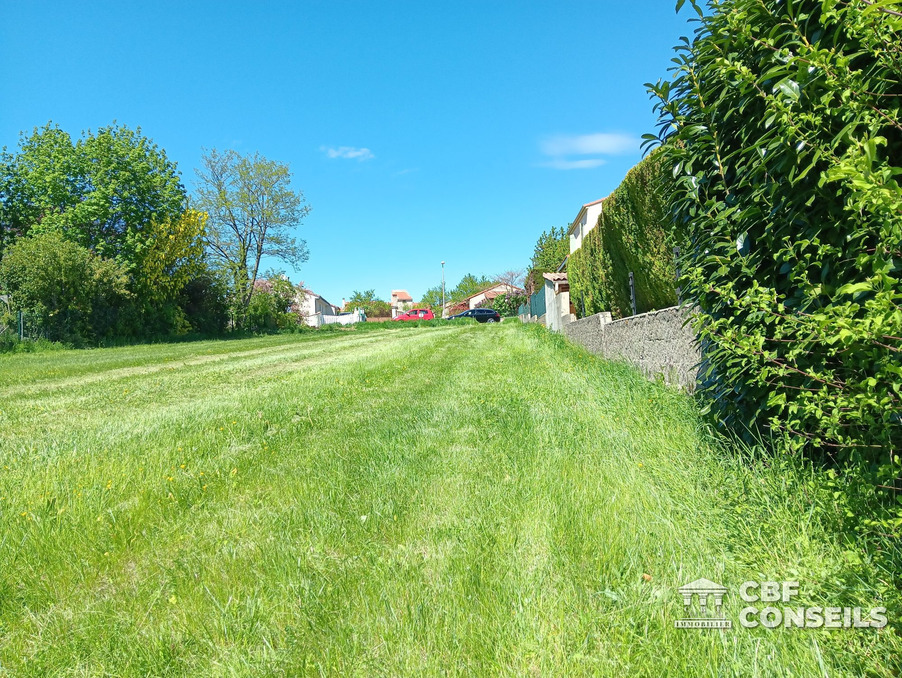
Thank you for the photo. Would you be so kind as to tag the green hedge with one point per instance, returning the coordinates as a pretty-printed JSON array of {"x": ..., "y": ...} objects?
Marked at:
[
  {"x": 784, "y": 126},
  {"x": 633, "y": 234}
]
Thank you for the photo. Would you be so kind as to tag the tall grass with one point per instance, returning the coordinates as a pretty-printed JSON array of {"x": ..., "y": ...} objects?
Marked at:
[{"x": 414, "y": 501}]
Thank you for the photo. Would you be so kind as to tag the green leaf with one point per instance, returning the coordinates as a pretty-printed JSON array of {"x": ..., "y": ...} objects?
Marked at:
[
  {"x": 789, "y": 88},
  {"x": 854, "y": 288}
]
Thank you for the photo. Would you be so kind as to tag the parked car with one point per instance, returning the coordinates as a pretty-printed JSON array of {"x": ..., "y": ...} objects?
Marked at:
[
  {"x": 483, "y": 315},
  {"x": 417, "y": 314}
]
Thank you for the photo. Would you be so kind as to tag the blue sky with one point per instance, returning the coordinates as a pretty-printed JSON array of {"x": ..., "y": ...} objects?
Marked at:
[{"x": 418, "y": 131}]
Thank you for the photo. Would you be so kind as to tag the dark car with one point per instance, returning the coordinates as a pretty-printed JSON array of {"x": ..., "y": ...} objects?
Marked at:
[{"x": 483, "y": 315}]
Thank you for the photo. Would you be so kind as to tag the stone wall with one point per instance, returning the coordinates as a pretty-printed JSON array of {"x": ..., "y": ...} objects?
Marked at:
[{"x": 659, "y": 342}]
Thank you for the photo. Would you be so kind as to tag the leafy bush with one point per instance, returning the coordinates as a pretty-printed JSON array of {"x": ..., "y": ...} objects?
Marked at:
[
  {"x": 633, "y": 233},
  {"x": 369, "y": 303},
  {"x": 272, "y": 305},
  {"x": 9, "y": 343},
  {"x": 115, "y": 193},
  {"x": 507, "y": 304},
  {"x": 787, "y": 118},
  {"x": 75, "y": 294},
  {"x": 204, "y": 299}
]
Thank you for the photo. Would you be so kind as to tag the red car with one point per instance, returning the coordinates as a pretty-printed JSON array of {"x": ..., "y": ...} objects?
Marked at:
[{"x": 417, "y": 314}]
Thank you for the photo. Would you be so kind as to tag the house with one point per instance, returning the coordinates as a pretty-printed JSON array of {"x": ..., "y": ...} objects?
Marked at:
[
  {"x": 312, "y": 304},
  {"x": 481, "y": 298},
  {"x": 585, "y": 221},
  {"x": 401, "y": 301}
]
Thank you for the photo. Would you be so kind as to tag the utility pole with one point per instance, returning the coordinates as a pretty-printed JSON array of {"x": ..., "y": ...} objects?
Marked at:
[{"x": 443, "y": 289}]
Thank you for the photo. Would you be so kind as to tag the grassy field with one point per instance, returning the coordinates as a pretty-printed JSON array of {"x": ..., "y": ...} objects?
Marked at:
[{"x": 479, "y": 500}]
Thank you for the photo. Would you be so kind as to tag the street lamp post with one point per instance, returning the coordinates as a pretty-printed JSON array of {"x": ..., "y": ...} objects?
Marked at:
[{"x": 443, "y": 289}]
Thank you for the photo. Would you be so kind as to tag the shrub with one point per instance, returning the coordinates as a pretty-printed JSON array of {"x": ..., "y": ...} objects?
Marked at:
[
  {"x": 9, "y": 343},
  {"x": 507, "y": 304},
  {"x": 790, "y": 138},
  {"x": 633, "y": 233},
  {"x": 272, "y": 305},
  {"x": 74, "y": 294},
  {"x": 205, "y": 302}
]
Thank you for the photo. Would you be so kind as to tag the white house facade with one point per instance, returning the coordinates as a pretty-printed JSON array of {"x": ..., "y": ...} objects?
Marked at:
[
  {"x": 312, "y": 304},
  {"x": 585, "y": 221}
]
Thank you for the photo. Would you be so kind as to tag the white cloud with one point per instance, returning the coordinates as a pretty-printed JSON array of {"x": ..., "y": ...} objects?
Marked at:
[
  {"x": 348, "y": 152},
  {"x": 564, "y": 164},
  {"x": 560, "y": 147},
  {"x": 589, "y": 144}
]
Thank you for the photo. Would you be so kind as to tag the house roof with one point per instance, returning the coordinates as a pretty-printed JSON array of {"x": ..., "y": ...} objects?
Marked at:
[
  {"x": 555, "y": 277},
  {"x": 491, "y": 290},
  {"x": 315, "y": 296},
  {"x": 401, "y": 295}
]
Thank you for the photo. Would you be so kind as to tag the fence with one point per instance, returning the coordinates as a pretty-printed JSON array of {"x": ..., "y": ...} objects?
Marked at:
[
  {"x": 20, "y": 326},
  {"x": 535, "y": 305},
  {"x": 320, "y": 319}
]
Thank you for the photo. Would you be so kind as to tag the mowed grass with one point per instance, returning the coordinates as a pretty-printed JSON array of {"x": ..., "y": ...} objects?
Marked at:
[{"x": 479, "y": 500}]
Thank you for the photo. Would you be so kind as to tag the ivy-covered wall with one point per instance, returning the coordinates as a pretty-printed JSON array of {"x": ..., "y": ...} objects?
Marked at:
[{"x": 633, "y": 234}]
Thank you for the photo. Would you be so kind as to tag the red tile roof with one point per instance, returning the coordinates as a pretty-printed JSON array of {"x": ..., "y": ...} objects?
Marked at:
[
  {"x": 401, "y": 295},
  {"x": 493, "y": 291}
]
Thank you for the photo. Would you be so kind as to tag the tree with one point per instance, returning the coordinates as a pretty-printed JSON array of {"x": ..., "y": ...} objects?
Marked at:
[
  {"x": 513, "y": 278},
  {"x": 101, "y": 192},
  {"x": 432, "y": 298},
  {"x": 169, "y": 253},
  {"x": 468, "y": 286},
  {"x": 14, "y": 221},
  {"x": 114, "y": 193},
  {"x": 252, "y": 214},
  {"x": 551, "y": 249},
  {"x": 369, "y": 303}
]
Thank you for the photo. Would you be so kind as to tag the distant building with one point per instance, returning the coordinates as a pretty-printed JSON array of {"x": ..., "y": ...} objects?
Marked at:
[
  {"x": 401, "y": 302},
  {"x": 482, "y": 298},
  {"x": 585, "y": 221},
  {"x": 312, "y": 304}
]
